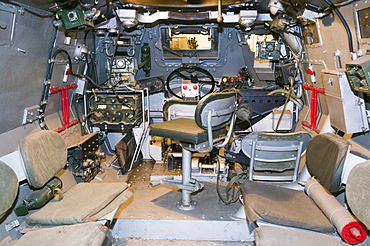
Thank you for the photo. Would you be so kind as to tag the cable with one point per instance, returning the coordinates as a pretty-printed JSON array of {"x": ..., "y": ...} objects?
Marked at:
[
  {"x": 49, "y": 73},
  {"x": 233, "y": 186},
  {"x": 50, "y": 70},
  {"x": 29, "y": 9},
  {"x": 345, "y": 3},
  {"x": 45, "y": 92},
  {"x": 344, "y": 22},
  {"x": 92, "y": 81}
]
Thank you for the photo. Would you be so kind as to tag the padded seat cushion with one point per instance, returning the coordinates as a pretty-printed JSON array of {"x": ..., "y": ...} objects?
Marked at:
[
  {"x": 8, "y": 188},
  {"x": 282, "y": 206},
  {"x": 182, "y": 129},
  {"x": 325, "y": 157},
  {"x": 81, "y": 202},
  {"x": 90, "y": 233},
  {"x": 44, "y": 154},
  {"x": 358, "y": 192},
  {"x": 277, "y": 236}
]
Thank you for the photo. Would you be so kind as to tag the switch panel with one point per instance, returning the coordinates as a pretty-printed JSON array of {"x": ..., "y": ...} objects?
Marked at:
[{"x": 119, "y": 112}]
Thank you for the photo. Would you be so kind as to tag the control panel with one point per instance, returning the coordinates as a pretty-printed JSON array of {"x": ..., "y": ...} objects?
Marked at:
[
  {"x": 124, "y": 70},
  {"x": 241, "y": 81},
  {"x": 189, "y": 89},
  {"x": 117, "y": 112},
  {"x": 285, "y": 73},
  {"x": 228, "y": 82},
  {"x": 269, "y": 50},
  {"x": 358, "y": 73},
  {"x": 87, "y": 158}
]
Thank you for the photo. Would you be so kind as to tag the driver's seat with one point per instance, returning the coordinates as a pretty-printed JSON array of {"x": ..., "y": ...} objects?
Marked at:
[{"x": 213, "y": 114}]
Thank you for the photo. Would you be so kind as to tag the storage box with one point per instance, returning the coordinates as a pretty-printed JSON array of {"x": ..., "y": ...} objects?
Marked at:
[{"x": 286, "y": 121}]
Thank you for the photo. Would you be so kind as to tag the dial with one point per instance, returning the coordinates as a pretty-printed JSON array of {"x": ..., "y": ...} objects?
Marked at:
[{"x": 120, "y": 64}]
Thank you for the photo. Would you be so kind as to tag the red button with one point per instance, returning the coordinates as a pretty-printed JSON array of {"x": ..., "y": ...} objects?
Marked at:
[
  {"x": 232, "y": 80},
  {"x": 184, "y": 87},
  {"x": 195, "y": 87}
]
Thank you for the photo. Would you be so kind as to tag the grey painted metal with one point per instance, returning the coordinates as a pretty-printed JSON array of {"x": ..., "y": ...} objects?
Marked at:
[
  {"x": 153, "y": 214},
  {"x": 161, "y": 242},
  {"x": 188, "y": 185},
  {"x": 347, "y": 110},
  {"x": 186, "y": 202},
  {"x": 183, "y": 230},
  {"x": 23, "y": 66}
]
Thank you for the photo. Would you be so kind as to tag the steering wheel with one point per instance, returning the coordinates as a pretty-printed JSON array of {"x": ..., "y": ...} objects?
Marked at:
[{"x": 175, "y": 78}]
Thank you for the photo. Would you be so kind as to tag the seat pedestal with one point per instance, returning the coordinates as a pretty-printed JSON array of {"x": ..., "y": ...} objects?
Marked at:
[
  {"x": 186, "y": 203},
  {"x": 188, "y": 185}
]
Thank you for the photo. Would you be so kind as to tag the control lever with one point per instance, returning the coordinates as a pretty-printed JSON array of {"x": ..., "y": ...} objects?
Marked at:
[
  {"x": 193, "y": 185},
  {"x": 220, "y": 19}
]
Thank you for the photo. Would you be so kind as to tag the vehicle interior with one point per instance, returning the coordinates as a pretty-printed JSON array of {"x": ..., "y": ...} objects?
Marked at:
[{"x": 184, "y": 122}]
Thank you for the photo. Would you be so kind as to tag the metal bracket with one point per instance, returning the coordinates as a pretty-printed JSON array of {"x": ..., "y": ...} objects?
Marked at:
[
  {"x": 11, "y": 225},
  {"x": 30, "y": 114},
  {"x": 193, "y": 186}
]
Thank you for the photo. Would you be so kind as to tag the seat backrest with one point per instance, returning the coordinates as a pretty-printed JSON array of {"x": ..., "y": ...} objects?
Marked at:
[
  {"x": 173, "y": 109},
  {"x": 8, "y": 188},
  {"x": 358, "y": 192},
  {"x": 325, "y": 156},
  {"x": 275, "y": 156},
  {"x": 44, "y": 154},
  {"x": 222, "y": 105}
]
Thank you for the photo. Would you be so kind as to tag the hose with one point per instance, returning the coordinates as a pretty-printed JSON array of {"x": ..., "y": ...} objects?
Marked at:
[{"x": 344, "y": 22}]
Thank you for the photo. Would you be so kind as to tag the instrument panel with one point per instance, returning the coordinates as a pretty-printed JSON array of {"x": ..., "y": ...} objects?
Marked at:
[{"x": 120, "y": 112}]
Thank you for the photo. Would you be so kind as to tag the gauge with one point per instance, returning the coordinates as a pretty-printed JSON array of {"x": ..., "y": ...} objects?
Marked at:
[{"x": 120, "y": 64}]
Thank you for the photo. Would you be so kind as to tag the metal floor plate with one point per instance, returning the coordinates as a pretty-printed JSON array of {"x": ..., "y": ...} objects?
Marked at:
[
  {"x": 158, "y": 242},
  {"x": 153, "y": 215}
]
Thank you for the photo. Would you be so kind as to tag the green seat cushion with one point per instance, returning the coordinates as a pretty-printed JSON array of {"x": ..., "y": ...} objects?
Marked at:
[
  {"x": 81, "y": 202},
  {"x": 282, "y": 206},
  {"x": 90, "y": 233},
  {"x": 325, "y": 157},
  {"x": 182, "y": 129},
  {"x": 8, "y": 188},
  {"x": 277, "y": 236},
  {"x": 358, "y": 192},
  {"x": 44, "y": 154}
]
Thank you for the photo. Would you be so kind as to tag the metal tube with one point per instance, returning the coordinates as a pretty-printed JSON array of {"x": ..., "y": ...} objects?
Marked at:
[
  {"x": 219, "y": 17},
  {"x": 186, "y": 174}
]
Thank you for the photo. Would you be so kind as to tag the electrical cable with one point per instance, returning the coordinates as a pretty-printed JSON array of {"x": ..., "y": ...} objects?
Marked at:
[
  {"x": 45, "y": 92},
  {"x": 295, "y": 99},
  {"x": 107, "y": 10},
  {"x": 49, "y": 73},
  {"x": 344, "y": 3},
  {"x": 345, "y": 24},
  {"x": 50, "y": 70},
  {"x": 233, "y": 186},
  {"x": 134, "y": 110},
  {"x": 30, "y": 10},
  {"x": 92, "y": 81}
]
